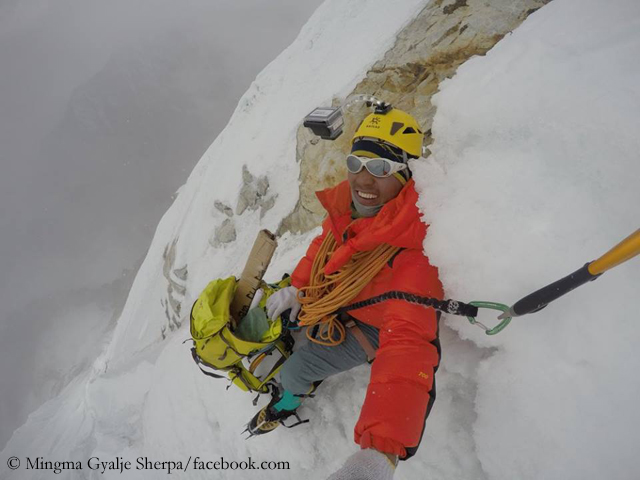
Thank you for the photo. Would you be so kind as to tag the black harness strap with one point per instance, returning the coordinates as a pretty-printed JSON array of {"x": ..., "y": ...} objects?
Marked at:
[{"x": 452, "y": 307}]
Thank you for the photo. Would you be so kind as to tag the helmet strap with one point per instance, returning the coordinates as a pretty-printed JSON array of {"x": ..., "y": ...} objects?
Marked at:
[{"x": 400, "y": 178}]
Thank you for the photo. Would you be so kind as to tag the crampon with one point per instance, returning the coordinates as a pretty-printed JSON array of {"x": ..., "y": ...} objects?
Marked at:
[{"x": 268, "y": 419}]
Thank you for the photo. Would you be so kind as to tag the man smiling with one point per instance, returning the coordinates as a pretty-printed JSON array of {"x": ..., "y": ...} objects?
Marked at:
[{"x": 371, "y": 244}]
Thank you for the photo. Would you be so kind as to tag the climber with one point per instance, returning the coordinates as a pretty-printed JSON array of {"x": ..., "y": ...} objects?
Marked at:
[{"x": 371, "y": 243}]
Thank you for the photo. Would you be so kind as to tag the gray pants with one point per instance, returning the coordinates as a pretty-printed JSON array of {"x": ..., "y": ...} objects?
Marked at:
[{"x": 313, "y": 362}]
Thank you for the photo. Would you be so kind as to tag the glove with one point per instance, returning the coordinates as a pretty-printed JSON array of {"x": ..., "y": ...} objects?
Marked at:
[
  {"x": 282, "y": 300},
  {"x": 367, "y": 464}
]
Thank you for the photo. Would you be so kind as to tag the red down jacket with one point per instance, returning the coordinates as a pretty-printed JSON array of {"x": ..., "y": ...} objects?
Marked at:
[{"x": 402, "y": 376}]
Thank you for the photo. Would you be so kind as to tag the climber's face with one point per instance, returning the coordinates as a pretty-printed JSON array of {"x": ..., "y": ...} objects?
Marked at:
[{"x": 373, "y": 191}]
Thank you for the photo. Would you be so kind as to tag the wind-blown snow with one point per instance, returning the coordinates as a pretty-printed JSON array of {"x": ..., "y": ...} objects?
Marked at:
[{"x": 534, "y": 172}]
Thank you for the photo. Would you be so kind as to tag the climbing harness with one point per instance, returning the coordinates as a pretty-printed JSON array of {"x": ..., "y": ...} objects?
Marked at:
[{"x": 361, "y": 338}]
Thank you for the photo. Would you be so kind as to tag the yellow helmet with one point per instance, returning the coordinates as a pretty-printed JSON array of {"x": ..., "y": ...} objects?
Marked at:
[{"x": 395, "y": 127}]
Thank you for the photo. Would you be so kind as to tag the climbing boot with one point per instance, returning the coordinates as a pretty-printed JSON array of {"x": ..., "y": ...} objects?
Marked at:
[{"x": 274, "y": 414}]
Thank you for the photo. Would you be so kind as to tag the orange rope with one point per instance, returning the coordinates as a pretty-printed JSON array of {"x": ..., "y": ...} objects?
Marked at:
[{"x": 327, "y": 293}]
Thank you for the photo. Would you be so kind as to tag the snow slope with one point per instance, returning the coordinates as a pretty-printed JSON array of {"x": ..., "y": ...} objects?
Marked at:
[{"x": 534, "y": 172}]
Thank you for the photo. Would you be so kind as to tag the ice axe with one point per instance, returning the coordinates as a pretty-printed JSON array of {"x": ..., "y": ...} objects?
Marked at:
[{"x": 625, "y": 250}]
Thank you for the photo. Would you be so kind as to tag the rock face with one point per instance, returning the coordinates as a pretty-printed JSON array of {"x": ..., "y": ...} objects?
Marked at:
[
  {"x": 176, "y": 289},
  {"x": 225, "y": 233},
  {"x": 444, "y": 35},
  {"x": 253, "y": 194},
  {"x": 222, "y": 208}
]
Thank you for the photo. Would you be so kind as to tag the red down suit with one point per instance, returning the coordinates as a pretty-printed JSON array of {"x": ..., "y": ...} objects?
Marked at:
[{"x": 401, "y": 388}]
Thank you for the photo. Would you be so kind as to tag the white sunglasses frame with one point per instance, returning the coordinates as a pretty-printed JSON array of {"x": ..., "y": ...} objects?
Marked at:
[{"x": 395, "y": 166}]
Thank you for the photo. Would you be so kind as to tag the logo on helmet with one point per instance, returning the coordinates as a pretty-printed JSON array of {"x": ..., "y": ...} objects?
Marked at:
[{"x": 374, "y": 122}]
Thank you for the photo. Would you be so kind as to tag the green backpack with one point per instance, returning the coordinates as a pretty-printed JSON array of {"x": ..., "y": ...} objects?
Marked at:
[{"x": 217, "y": 347}]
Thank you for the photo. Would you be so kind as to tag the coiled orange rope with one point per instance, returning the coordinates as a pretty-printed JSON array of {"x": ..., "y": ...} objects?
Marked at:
[{"x": 327, "y": 293}]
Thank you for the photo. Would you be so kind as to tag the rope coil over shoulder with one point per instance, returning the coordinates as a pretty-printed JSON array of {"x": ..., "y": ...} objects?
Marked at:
[{"x": 325, "y": 294}]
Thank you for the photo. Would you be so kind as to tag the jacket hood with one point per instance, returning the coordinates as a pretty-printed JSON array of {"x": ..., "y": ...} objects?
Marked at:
[{"x": 398, "y": 223}]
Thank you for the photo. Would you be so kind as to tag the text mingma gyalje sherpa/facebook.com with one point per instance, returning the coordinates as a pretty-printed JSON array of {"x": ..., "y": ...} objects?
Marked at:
[{"x": 120, "y": 464}]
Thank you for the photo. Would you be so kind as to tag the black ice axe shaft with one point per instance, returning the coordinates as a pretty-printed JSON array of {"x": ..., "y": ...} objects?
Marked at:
[{"x": 625, "y": 250}]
